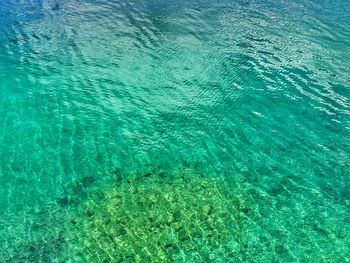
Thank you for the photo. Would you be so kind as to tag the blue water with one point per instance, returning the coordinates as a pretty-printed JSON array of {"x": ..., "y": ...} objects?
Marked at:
[{"x": 176, "y": 131}]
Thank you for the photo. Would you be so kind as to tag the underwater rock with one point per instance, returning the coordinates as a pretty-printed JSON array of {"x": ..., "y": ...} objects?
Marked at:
[{"x": 158, "y": 219}]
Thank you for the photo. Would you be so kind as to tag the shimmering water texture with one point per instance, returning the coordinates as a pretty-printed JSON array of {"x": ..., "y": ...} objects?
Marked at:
[{"x": 174, "y": 131}]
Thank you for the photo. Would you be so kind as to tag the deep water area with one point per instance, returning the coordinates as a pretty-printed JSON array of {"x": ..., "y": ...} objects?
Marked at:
[{"x": 174, "y": 131}]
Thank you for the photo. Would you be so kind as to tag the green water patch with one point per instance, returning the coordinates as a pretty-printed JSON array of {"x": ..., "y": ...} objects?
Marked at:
[
  {"x": 42, "y": 237},
  {"x": 179, "y": 217}
]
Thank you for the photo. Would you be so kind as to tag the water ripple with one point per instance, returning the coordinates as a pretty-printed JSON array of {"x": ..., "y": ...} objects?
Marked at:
[{"x": 252, "y": 91}]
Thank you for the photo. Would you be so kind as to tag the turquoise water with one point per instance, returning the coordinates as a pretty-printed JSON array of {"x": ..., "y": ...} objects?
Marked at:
[{"x": 174, "y": 131}]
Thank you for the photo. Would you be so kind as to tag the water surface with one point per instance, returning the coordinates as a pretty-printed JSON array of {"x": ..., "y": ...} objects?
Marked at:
[{"x": 110, "y": 106}]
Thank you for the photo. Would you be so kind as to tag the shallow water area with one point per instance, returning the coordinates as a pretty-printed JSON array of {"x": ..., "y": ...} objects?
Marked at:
[{"x": 218, "y": 129}]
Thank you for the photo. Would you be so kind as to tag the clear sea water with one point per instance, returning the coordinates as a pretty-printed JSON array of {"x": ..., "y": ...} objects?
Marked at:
[{"x": 174, "y": 131}]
